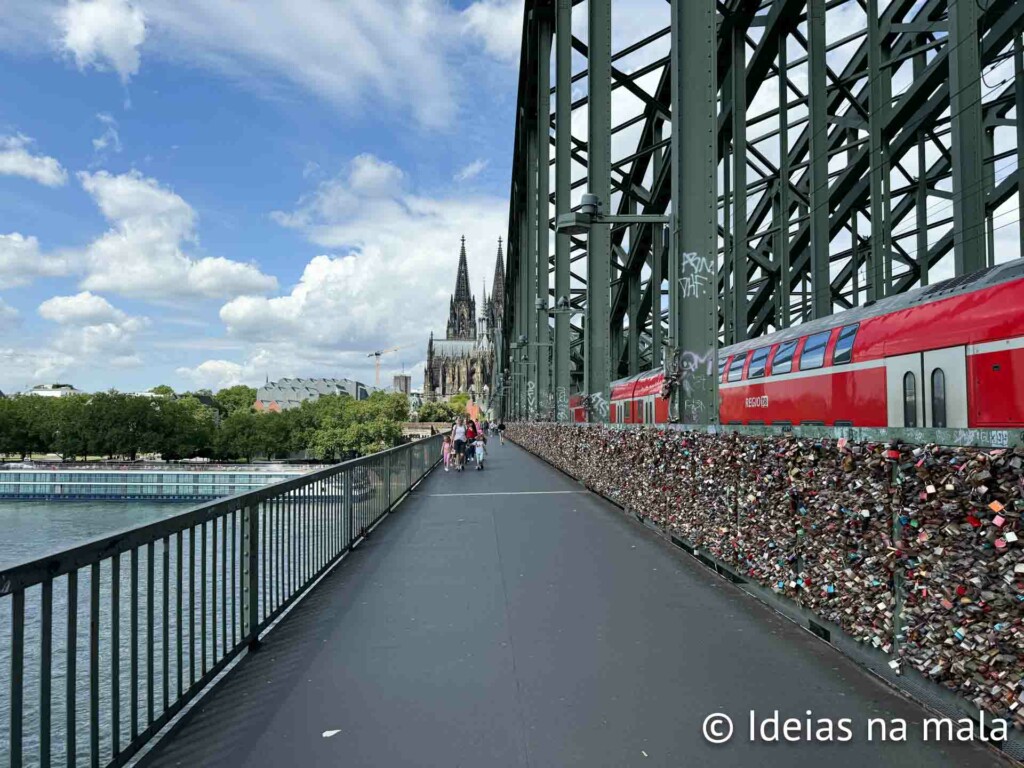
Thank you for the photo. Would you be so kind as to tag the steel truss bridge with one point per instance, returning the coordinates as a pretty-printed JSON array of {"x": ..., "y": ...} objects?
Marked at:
[{"x": 829, "y": 153}]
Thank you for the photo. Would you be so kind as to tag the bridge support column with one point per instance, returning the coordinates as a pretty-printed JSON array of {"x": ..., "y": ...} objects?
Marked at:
[
  {"x": 597, "y": 367},
  {"x": 879, "y": 89},
  {"x": 965, "y": 122},
  {"x": 528, "y": 251},
  {"x": 563, "y": 188},
  {"x": 542, "y": 136},
  {"x": 693, "y": 307},
  {"x": 821, "y": 287}
]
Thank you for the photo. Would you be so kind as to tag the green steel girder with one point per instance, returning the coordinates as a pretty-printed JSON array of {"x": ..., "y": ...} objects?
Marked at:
[{"x": 775, "y": 264}]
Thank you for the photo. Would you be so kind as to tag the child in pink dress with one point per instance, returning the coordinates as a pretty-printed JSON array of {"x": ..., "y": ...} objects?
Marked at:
[{"x": 446, "y": 451}]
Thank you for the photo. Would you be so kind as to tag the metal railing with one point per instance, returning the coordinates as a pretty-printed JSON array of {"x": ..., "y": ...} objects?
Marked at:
[{"x": 106, "y": 642}]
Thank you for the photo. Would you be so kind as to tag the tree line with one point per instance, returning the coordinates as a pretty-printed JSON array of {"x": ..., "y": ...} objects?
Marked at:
[{"x": 221, "y": 426}]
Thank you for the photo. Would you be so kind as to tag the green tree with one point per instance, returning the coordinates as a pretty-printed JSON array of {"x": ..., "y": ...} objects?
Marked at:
[
  {"x": 438, "y": 411},
  {"x": 459, "y": 402},
  {"x": 240, "y": 435},
  {"x": 163, "y": 389},
  {"x": 237, "y": 398}
]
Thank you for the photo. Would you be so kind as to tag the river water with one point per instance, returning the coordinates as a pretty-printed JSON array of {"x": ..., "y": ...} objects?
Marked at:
[{"x": 32, "y": 529}]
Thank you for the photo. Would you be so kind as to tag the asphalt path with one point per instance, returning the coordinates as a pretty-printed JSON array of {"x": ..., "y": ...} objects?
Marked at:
[{"x": 506, "y": 617}]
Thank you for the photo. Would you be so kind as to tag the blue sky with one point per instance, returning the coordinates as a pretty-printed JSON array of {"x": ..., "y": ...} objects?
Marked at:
[{"x": 195, "y": 196}]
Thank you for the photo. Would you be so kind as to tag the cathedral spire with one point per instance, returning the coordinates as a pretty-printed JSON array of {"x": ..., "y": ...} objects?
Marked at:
[
  {"x": 462, "y": 280},
  {"x": 498, "y": 289}
]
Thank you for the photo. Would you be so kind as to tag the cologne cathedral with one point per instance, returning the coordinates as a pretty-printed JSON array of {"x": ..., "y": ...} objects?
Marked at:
[{"x": 464, "y": 360}]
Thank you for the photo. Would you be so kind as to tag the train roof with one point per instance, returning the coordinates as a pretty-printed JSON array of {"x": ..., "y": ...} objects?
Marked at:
[{"x": 954, "y": 286}]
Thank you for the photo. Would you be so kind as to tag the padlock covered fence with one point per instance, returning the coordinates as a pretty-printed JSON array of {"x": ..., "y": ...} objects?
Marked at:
[
  {"x": 101, "y": 646},
  {"x": 914, "y": 550}
]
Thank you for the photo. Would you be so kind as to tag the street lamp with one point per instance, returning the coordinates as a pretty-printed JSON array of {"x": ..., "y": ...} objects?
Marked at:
[{"x": 590, "y": 213}]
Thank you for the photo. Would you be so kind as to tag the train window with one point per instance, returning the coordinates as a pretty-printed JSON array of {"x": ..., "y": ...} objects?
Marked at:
[
  {"x": 938, "y": 398},
  {"x": 721, "y": 366},
  {"x": 783, "y": 360},
  {"x": 843, "y": 353},
  {"x": 843, "y": 423},
  {"x": 736, "y": 367},
  {"x": 909, "y": 400},
  {"x": 813, "y": 355},
  {"x": 757, "y": 363}
]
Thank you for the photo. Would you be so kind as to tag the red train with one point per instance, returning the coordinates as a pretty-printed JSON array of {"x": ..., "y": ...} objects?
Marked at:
[{"x": 946, "y": 355}]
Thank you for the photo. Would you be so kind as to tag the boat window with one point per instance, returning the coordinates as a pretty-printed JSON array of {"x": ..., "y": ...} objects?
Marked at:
[
  {"x": 783, "y": 360},
  {"x": 938, "y": 398},
  {"x": 757, "y": 363},
  {"x": 736, "y": 367},
  {"x": 909, "y": 400},
  {"x": 843, "y": 353},
  {"x": 813, "y": 355}
]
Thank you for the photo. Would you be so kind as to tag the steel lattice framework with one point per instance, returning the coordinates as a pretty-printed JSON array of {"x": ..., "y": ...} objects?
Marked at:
[{"x": 830, "y": 153}]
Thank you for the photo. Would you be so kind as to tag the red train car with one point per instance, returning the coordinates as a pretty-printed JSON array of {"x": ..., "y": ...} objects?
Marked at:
[
  {"x": 577, "y": 410},
  {"x": 946, "y": 355}
]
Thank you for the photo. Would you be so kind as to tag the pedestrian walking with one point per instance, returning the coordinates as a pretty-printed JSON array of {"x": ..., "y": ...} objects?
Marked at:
[{"x": 446, "y": 451}]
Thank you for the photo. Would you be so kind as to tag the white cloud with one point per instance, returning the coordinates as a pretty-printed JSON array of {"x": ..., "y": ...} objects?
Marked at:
[
  {"x": 21, "y": 261},
  {"x": 349, "y": 53},
  {"x": 92, "y": 329},
  {"x": 396, "y": 268},
  {"x": 105, "y": 34},
  {"x": 142, "y": 254},
  {"x": 110, "y": 139},
  {"x": 472, "y": 170},
  {"x": 404, "y": 54},
  {"x": 498, "y": 24},
  {"x": 386, "y": 281},
  {"x": 215, "y": 374},
  {"x": 84, "y": 308},
  {"x": 16, "y": 160},
  {"x": 8, "y": 314}
]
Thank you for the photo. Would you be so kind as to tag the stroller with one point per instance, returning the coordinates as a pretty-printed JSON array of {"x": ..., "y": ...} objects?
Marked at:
[{"x": 480, "y": 451}]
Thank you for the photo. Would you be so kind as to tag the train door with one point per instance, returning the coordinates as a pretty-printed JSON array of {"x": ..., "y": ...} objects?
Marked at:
[
  {"x": 945, "y": 387},
  {"x": 927, "y": 389},
  {"x": 903, "y": 375}
]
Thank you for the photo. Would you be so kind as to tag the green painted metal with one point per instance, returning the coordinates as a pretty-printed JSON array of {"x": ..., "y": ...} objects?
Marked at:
[
  {"x": 694, "y": 315},
  {"x": 738, "y": 76},
  {"x": 597, "y": 342},
  {"x": 965, "y": 124},
  {"x": 821, "y": 296},
  {"x": 542, "y": 136},
  {"x": 529, "y": 266},
  {"x": 1018, "y": 100},
  {"x": 312, "y": 541}
]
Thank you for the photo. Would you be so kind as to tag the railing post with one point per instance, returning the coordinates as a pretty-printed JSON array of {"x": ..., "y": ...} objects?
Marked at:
[
  {"x": 250, "y": 575},
  {"x": 347, "y": 507},
  {"x": 387, "y": 458}
]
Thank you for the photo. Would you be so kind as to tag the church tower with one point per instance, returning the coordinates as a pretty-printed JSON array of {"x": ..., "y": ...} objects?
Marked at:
[
  {"x": 462, "y": 307},
  {"x": 496, "y": 304}
]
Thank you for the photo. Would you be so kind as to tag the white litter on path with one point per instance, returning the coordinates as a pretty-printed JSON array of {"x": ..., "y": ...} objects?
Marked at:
[{"x": 328, "y": 734}]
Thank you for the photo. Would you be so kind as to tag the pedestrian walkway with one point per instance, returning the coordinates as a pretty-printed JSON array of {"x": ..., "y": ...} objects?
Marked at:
[{"x": 509, "y": 618}]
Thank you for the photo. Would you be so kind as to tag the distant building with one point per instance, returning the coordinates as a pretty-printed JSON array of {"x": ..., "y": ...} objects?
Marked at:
[
  {"x": 462, "y": 362},
  {"x": 54, "y": 390},
  {"x": 402, "y": 383},
  {"x": 284, "y": 394}
]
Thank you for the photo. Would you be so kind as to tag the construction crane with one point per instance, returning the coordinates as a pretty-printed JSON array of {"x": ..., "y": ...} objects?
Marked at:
[{"x": 377, "y": 355}]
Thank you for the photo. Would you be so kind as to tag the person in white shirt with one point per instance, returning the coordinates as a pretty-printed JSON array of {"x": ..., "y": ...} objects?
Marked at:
[{"x": 459, "y": 441}]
